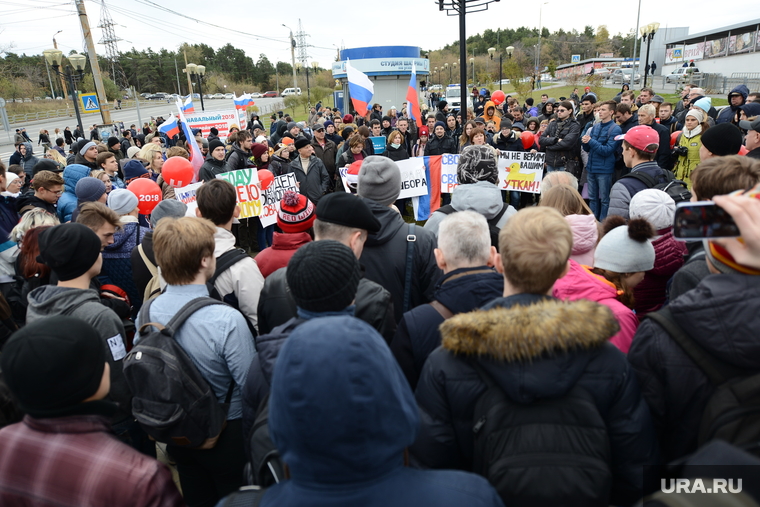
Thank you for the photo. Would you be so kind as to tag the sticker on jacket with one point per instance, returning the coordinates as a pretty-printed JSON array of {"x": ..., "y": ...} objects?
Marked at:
[{"x": 118, "y": 351}]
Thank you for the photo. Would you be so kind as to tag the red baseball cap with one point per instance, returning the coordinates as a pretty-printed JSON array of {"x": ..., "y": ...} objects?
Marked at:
[{"x": 642, "y": 138}]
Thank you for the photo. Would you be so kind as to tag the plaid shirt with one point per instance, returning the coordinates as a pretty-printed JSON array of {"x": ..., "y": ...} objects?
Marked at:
[{"x": 75, "y": 461}]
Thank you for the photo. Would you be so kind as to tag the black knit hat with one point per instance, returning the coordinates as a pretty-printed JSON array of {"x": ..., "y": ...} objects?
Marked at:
[
  {"x": 214, "y": 144},
  {"x": 52, "y": 364},
  {"x": 112, "y": 141},
  {"x": 323, "y": 276},
  {"x": 301, "y": 142},
  {"x": 722, "y": 139},
  {"x": 69, "y": 249},
  {"x": 348, "y": 210}
]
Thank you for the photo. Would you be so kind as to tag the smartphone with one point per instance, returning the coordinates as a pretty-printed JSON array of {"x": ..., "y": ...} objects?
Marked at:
[{"x": 703, "y": 220}]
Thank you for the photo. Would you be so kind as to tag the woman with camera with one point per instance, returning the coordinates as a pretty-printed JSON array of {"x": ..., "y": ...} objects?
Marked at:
[{"x": 687, "y": 146}]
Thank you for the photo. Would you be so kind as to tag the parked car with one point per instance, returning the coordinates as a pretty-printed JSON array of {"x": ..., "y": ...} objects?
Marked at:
[
  {"x": 205, "y": 95},
  {"x": 256, "y": 95},
  {"x": 624, "y": 76},
  {"x": 681, "y": 74},
  {"x": 270, "y": 94},
  {"x": 197, "y": 96},
  {"x": 145, "y": 95},
  {"x": 217, "y": 96},
  {"x": 291, "y": 91},
  {"x": 156, "y": 96},
  {"x": 229, "y": 95}
]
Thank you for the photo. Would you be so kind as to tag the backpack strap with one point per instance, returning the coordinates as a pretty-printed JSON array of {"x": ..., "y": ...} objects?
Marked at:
[
  {"x": 447, "y": 210},
  {"x": 642, "y": 177},
  {"x": 445, "y": 312},
  {"x": 151, "y": 267},
  {"x": 716, "y": 371},
  {"x": 226, "y": 261},
  {"x": 179, "y": 318},
  {"x": 495, "y": 220},
  {"x": 411, "y": 238}
]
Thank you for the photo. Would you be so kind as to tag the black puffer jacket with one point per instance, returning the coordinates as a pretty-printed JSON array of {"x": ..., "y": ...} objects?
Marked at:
[
  {"x": 722, "y": 314},
  {"x": 461, "y": 290},
  {"x": 395, "y": 154},
  {"x": 277, "y": 306},
  {"x": 384, "y": 259},
  {"x": 440, "y": 145},
  {"x": 535, "y": 348},
  {"x": 559, "y": 141}
]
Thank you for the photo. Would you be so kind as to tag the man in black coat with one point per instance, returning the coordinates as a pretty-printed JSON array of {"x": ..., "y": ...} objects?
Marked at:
[
  {"x": 385, "y": 253},
  {"x": 440, "y": 143},
  {"x": 469, "y": 281},
  {"x": 536, "y": 348}
]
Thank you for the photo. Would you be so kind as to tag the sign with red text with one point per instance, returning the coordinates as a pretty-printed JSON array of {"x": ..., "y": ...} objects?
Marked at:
[{"x": 221, "y": 120}]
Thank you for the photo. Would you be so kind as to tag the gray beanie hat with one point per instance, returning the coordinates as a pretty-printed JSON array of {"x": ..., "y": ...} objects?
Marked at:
[
  {"x": 167, "y": 208},
  {"x": 379, "y": 180},
  {"x": 626, "y": 249},
  {"x": 89, "y": 189},
  {"x": 122, "y": 201},
  {"x": 86, "y": 147}
]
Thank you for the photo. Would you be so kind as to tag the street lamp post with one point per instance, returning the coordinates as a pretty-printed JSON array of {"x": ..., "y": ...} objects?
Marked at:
[
  {"x": 540, "y": 28},
  {"x": 54, "y": 58},
  {"x": 197, "y": 72},
  {"x": 472, "y": 61},
  {"x": 437, "y": 76},
  {"x": 647, "y": 34},
  {"x": 491, "y": 52}
]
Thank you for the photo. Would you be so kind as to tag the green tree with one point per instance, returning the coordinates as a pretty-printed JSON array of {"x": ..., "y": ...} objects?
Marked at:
[{"x": 264, "y": 72}]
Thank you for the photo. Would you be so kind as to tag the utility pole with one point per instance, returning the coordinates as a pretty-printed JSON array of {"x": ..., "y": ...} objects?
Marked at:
[
  {"x": 176, "y": 70},
  {"x": 105, "y": 113},
  {"x": 293, "y": 58}
]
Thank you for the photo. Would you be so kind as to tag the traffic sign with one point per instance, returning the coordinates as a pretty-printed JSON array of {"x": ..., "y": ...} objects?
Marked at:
[
  {"x": 89, "y": 102},
  {"x": 576, "y": 59}
]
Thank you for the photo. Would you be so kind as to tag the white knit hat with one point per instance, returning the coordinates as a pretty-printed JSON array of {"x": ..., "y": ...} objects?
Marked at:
[{"x": 657, "y": 207}]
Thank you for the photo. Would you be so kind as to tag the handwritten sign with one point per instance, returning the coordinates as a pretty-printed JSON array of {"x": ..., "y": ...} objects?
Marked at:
[
  {"x": 246, "y": 183},
  {"x": 521, "y": 171},
  {"x": 272, "y": 196},
  {"x": 413, "y": 180},
  {"x": 187, "y": 195}
]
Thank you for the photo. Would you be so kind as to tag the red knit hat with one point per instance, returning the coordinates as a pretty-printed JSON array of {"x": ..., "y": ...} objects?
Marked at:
[{"x": 296, "y": 213}]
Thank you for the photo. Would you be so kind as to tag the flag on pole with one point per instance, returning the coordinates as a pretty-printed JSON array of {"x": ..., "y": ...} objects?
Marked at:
[
  {"x": 243, "y": 101},
  {"x": 196, "y": 157},
  {"x": 360, "y": 88},
  {"x": 425, "y": 205},
  {"x": 169, "y": 127},
  {"x": 413, "y": 98},
  {"x": 188, "y": 107}
]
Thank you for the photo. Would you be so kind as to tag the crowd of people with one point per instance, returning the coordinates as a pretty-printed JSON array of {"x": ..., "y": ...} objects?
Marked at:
[{"x": 514, "y": 349}]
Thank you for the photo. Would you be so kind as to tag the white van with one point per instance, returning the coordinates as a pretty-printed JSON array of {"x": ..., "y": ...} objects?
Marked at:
[{"x": 290, "y": 91}]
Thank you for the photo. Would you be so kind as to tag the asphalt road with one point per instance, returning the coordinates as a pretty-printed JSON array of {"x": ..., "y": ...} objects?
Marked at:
[{"x": 128, "y": 116}]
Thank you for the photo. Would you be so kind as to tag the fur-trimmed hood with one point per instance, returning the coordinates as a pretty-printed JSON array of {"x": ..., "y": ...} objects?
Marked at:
[{"x": 534, "y": 346}]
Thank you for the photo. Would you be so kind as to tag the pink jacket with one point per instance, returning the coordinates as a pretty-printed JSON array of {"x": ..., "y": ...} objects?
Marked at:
[{"x": 581, "y": 283}]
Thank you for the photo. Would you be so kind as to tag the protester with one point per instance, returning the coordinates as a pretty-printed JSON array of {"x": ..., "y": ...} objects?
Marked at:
[
  {"x": 108, "y": 163},
  {"x": 411, "y": 281},
  {"x": 311, "y": 173},
  {"x": 567, "y": 200},
  {"x": 720, "y": 141},
  {"x": 294, "y": 219},
  {"x": 601, "y": 146},
  {"x": 537, "y": 349},
  {"x": 48, "y": 187},
  {"x": 688, "y": 145},
  {"x": 214, "y": 163},
  {"x": 560, "y": 138},
  {"x": 67, "y": 202},
  {"x": 62, "y": 453},
  {"x": 218, "y": 341},
  {"x": 736, "y": 98},
  {"x": 89, "y": 189}
]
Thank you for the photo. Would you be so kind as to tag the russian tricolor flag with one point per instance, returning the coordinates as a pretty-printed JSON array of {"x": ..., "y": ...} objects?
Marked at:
[
  {"x": 196, "y": 157},
  {"x": 169, "y": 127},
  {"x": 360, "y": 88},
  {"x": 243, "y": 101},
  {"x": 425, "y": 205},
  {"x": 413, "y": 98},
  {"x": 188, "y": 107}
]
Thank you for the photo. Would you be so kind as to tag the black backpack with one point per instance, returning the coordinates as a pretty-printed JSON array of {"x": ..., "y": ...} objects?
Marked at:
[
  {"x": 549, "y": 452},
  {"x": 171, "y": 400},
  {"x": 492, "y": 229},
  {"x": 267, "y": 467},
  {"x": 732, "y": 412},
  {"x": 676, "y": 189}
]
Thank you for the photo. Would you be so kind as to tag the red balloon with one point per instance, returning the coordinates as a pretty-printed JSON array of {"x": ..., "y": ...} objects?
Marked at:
[
  {"x": 498, "y": 97},
  {"x": 178, "y": 171},
  {"x": 148, "y": 194},
  {"x": 528, "y": 140},
  {"x": 266, "y": 178},
  {"x": 743, "y": 150},
  {"x": 673, "y": 138}
]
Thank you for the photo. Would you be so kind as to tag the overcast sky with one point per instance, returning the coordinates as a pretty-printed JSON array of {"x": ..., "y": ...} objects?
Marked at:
[{"x": 30, "y": 25}]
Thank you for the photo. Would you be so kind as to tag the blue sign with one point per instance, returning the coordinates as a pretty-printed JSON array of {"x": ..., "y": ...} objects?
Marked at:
[
  {"x": 378, "y": 143},
  {"x": 576, "y": 59},
  {"x": 89, "y": 102}
]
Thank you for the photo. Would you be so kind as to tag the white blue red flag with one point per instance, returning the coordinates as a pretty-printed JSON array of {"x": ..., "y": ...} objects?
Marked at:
[
  {"x": 169, "y": 127},
  {"x": 360, "y": 88},
  {"x": 243, "y": 101},
  {"x": 413, "y": 98},
  {"x": 188, "y": 107},
  {"x": 196, "y": 157}
]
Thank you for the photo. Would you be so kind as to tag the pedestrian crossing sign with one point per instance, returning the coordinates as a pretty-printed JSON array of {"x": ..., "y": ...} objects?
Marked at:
[
  {"x": 576, "y": 58},
  {"x": 89, "y": 102}
]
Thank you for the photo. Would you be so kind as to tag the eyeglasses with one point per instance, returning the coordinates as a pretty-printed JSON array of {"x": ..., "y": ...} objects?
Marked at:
[
  {"x": 59, "y": 192},
  {"x": 560, "y": 110}
]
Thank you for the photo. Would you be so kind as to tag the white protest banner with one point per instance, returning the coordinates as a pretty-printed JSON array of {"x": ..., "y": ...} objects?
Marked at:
[
  {"x": 521, "y": 171},
  {"x": 272, "y": 196},
  {"x": 448, "y": 172},
  {"x": 222, "y": 120},
  {"x": 413, "y": 180},
  {"x": 187, "y": 195},
  {"x": 246, "y": 183}
]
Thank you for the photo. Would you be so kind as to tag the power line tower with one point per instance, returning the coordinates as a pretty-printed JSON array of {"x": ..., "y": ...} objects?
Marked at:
[
  {"x": 109, "y": 40},
  {"x": 301, "y": 45}
]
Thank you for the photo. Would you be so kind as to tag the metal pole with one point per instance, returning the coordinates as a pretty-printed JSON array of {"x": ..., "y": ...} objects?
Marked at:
[
  {"x": 308, "y": 90},
  {"x": 200, "y": 92},
  {"x": 634, "y": 65},
  {"x": 60, "y": 74},
  {"x": 176, "y": 69},
  {"x": 70, "y": 79},
  {"x": 137, "y": 105},
  {"x": 648, "y": 40},
  {"x": 463, "y": 58},
  {"x": 500, "y": 68},
  {"x": 52, "y": 90},
  {"x": 105, "y": 113}
]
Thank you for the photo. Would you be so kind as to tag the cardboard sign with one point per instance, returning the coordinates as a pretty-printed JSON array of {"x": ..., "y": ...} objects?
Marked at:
[
  {"x": 272, "y": 196},
  {"x": 246, "y": 183},
  {"x": 521, "y": 171},
  {"x": 187, "y": 195},
  {"x": 222, "y": 120},
  {"x": 413, "y": 180}
]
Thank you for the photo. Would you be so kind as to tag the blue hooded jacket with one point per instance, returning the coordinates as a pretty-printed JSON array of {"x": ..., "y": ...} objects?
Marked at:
[
  {"x": 602, "y": 148},
  {"x": 728, "y": 113},
  {"x": 341, "y": 414},
  {"x": 68, "y": 200}
]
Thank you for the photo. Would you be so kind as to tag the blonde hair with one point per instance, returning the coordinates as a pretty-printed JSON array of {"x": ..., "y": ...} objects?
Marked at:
[
  {"x": 56, "y": 156},
  {"x": 35, "y": 217},
  {"x": 146, "y": 152},
  {"x": 535, "y": 245},
  {"x": 566, "y": 200},
  {"x": 180, "y": 245}
]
